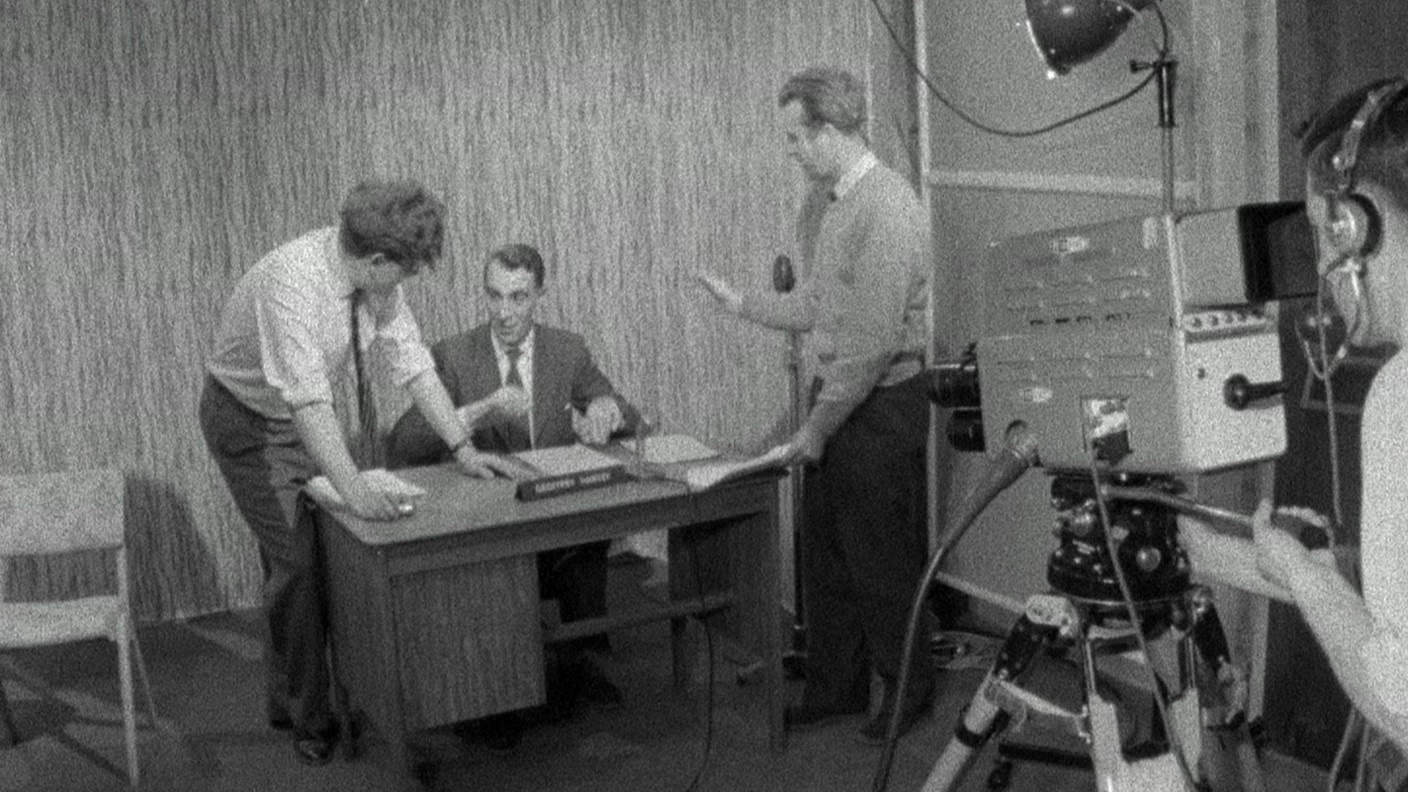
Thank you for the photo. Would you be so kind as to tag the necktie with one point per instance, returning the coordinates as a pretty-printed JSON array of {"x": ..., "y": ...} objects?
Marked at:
[
  {"x": 513, "y": 378},
  {"x": 516, "y": 432},
  {"x": 366, "y": 404}
]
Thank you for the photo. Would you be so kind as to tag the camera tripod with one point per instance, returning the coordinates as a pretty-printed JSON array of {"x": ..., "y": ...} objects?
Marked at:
[{"x": 1154, "y": 614}]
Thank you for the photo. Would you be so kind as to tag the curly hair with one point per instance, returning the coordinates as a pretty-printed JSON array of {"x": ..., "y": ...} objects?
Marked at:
[
  {"x": 401, "y": 220},
  {"x": 828, "y": 96}
]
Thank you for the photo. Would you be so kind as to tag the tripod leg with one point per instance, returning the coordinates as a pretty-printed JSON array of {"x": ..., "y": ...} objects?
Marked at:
[
  {"x": 1226, "y": 690},
  {"x": 983, "y": 718}
]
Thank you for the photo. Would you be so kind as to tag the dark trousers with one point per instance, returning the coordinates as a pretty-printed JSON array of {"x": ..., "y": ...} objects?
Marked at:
[
  {"x": 864, "y": 548},
  {"x": 265, "y": 466},
  {"x": 576, "y": 578}
]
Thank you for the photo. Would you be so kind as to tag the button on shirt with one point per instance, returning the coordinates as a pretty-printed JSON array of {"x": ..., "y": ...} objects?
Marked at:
[{"x": 285, "y": 336}]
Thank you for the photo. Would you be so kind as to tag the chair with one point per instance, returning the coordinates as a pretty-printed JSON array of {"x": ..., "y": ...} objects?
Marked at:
[{"x": 54, "y": 513}]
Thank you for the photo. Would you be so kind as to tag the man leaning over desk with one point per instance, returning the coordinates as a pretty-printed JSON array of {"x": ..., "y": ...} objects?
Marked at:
[
  {"x": 299, "y": 321},
  {"x": 571, "y": 400}
]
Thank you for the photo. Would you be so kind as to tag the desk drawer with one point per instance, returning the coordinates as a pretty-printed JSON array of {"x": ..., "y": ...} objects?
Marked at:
[{"x": 469, "y": 640}]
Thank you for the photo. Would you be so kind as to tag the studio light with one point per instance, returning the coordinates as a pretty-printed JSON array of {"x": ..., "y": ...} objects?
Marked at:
[{"x": 1068, "y": 33}]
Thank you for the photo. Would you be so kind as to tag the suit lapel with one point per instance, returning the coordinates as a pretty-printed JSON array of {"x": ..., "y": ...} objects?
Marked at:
[
  {"x": 485, "y": 371},
  {"x": 540, "y": 385}
]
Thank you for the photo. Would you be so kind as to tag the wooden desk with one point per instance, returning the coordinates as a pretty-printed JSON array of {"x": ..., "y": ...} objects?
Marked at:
[{"x": 436, "y": 619}]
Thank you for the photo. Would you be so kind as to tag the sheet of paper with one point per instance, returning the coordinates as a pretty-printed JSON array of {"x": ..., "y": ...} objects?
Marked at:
[
  {"x": 564, "y": 460},
  {"x": 670, "y": 449},
  {"x": 702, "y": 477},
  {"x": 327, "y": 495}
]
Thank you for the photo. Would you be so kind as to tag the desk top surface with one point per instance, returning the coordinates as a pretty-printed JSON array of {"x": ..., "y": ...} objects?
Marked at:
[{"x": 456, "y": 503}]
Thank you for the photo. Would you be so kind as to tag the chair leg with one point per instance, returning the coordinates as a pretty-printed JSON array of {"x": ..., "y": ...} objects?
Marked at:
[
  {"x": 7, "y": 723},
  {"x": 146, "y": 681},
  {"x": 129, "y": 710}
]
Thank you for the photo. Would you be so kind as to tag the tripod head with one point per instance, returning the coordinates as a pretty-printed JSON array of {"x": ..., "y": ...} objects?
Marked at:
[{"x": 1145, "y": 538}]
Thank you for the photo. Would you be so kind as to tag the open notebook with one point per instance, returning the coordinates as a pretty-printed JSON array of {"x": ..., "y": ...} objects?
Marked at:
[{"x": 565, "y": 460}]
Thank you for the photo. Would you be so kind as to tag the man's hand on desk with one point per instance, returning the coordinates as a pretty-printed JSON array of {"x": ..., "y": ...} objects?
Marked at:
[
  {"x": 481, "y": 465},
  {"x": 369, "y": 499},
  {"x": 602, "y": 419}
]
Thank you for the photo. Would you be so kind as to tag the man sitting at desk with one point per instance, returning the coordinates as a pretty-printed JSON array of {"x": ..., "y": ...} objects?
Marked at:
[{"x": 571, "y": 400}]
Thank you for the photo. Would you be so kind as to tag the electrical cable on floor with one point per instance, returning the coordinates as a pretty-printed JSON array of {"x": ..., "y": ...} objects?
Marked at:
[
  {"x": 1324, "y": 371},
  {"x": 709, "y": 646}
]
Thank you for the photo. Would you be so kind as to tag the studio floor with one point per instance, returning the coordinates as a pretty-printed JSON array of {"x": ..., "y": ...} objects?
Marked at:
[{"x": 206, "y": 675}]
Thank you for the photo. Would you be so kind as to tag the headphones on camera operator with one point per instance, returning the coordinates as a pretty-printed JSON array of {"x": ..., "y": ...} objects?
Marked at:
[{"x": 1355, "y": 226}]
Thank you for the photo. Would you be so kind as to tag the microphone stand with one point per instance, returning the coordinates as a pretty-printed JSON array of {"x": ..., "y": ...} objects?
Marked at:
[{"x": 794, "y": 660}]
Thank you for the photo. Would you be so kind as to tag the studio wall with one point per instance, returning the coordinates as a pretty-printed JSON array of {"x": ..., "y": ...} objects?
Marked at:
[{"x": 153, "y": 150}]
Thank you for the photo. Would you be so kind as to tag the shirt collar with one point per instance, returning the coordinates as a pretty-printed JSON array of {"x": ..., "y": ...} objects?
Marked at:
[
  {"x": 525, "y": 349},
  {"x": 853, "y": 176}
]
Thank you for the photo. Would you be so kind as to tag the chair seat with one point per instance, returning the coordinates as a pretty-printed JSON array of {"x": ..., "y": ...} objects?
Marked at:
[{"x": 30, "y": 624}]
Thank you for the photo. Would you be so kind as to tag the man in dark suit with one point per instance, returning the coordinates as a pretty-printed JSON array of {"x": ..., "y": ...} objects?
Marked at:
[{"x": 501, "y": 363}]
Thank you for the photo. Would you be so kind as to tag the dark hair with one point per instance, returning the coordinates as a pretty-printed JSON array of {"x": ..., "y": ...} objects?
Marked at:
[
  {"x": 518, "y": 256},
  {"x": 828, "y": 96},
  {"x": 1382, "y": 153},
  {"x": 398, "y": 219}
]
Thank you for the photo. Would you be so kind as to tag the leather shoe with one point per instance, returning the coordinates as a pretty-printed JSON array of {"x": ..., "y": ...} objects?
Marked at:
[
  {"x": 805, "y": 717},
  {"x": 876, "y": 729},
  {"x": 590, "y": 684},
  {"x": 315, "y": 748}
]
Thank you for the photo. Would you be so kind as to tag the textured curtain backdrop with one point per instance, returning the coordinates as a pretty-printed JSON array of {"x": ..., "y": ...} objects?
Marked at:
[{"x": 153, "y": 149}]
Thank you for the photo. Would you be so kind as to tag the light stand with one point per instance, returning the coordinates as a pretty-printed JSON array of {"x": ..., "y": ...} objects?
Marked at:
[{"x": 1165, "y": 69}]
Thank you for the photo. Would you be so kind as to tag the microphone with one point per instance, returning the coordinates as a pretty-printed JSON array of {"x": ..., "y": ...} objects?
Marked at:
[{"x": 783, "y": 279}]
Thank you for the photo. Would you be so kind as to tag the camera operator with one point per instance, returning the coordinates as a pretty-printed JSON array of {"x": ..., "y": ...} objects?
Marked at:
[{"x": 1357, "y": 186}]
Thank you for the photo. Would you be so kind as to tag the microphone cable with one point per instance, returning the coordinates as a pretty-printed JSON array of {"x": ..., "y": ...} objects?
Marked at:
[
  {"x": 709, "y": 645},
  {"x": 1004, "y": 468},
  {"x": 1126, "y": 594}
]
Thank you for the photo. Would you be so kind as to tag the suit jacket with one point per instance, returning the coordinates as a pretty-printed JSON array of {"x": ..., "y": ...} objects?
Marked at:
[{"x": 563, "y": 373}]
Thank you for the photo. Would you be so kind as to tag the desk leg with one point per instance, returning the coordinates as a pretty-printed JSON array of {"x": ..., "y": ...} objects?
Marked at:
[
  {"x": 742, "y": 556},
  {"x": 681, "y": 652},
  {"x": 8, "y": 735}
]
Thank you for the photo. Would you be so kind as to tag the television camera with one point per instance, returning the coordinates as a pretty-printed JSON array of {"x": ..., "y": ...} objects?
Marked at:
[{"x": 1119, "y": 356}]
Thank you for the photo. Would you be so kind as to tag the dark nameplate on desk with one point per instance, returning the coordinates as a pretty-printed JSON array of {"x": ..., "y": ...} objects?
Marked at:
[
  {"x": 564, "y": 483},
  {"x": 567, "y": 469}
]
